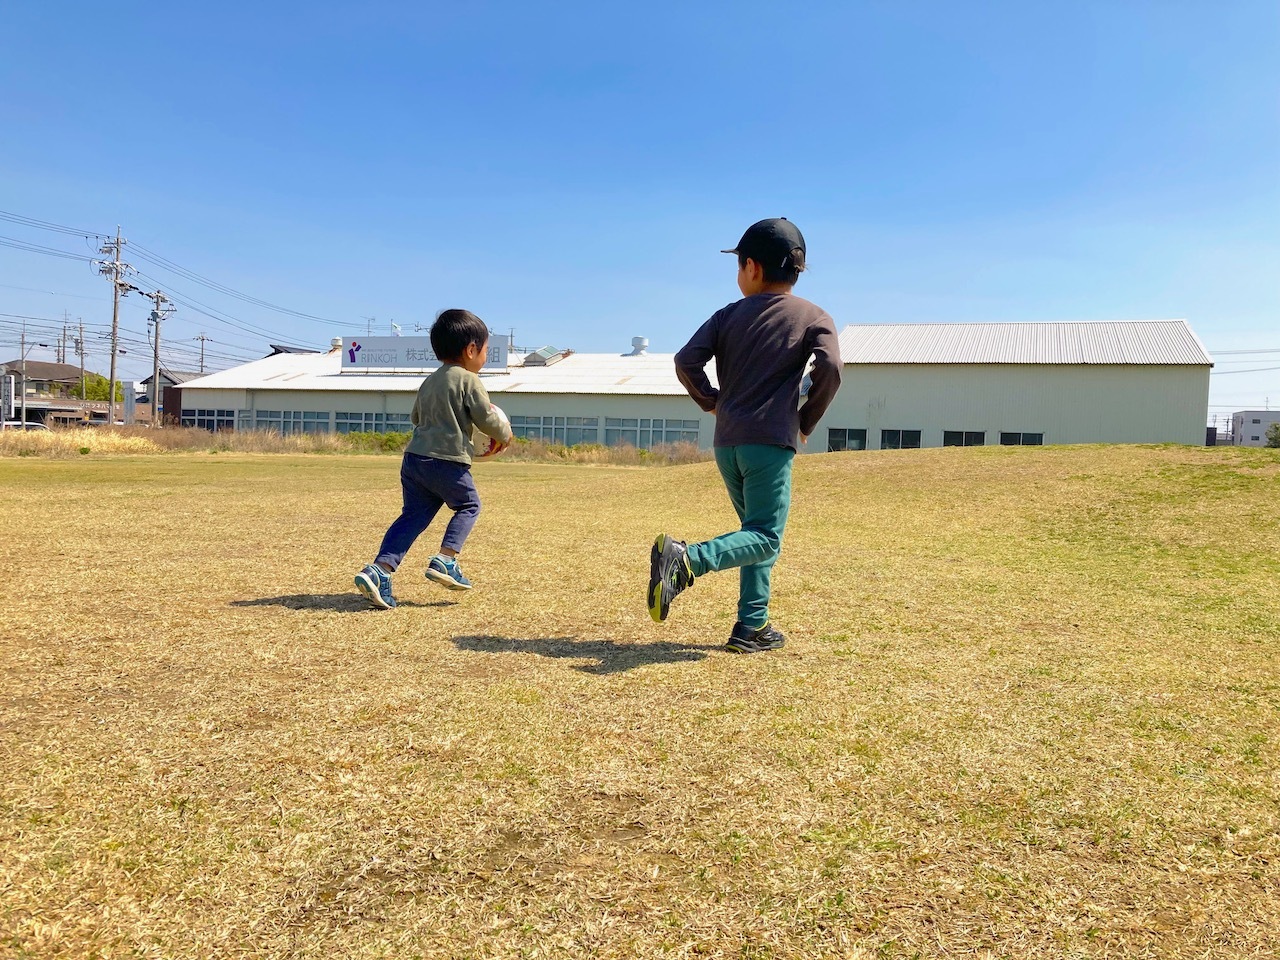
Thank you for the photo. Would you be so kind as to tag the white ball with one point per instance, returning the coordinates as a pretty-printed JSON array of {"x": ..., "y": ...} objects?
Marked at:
[{"x": 486, "y": 446}]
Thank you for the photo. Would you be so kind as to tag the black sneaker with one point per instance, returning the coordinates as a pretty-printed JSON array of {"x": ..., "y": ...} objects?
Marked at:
[
  {"x": 669, "y": 574},
  {"x": 746, "y": 640}
]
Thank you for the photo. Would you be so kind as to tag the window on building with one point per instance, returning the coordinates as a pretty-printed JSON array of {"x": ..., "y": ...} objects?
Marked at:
[
  {"x": 292, "y": 421},
  {"x": 1021, "y": 439},
  {"x": 372, "y": 422},
  {"x": 648, "y": 433},
  {"x": 1255, "y": 439},
  {"x": 1257, "y": 421},
  {"x": 841, "y": 439},
  {"x": 567, "y": 430},
  {"x": 899, "y": 439},
  {"x": 212, "y": 420},
  {"x": 620, "y": 430},
  {"x": 963, "y": 438}
]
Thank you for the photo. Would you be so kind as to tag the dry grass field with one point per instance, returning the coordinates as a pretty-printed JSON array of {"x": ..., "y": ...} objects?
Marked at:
[{"x": 1030, "y": 707}]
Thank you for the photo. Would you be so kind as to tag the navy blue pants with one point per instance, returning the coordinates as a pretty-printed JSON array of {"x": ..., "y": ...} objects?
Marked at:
[{"x": 427, "y": 485}]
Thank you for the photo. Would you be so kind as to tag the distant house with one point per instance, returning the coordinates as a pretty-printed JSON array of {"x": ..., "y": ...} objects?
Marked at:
[
  {"x": 169, "y": 379},
  {"x": 48, "y": 391},
  {"x": 1249, "y": 427}
]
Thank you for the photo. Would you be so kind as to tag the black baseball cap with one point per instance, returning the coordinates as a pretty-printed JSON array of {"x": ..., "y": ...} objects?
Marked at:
[{"x": 770, "y": 242}]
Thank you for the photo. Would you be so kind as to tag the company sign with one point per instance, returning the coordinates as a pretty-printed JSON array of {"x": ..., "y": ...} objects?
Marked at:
[
  {"x": 6, "y": 397},
  {"x": 407, "y": 353}
]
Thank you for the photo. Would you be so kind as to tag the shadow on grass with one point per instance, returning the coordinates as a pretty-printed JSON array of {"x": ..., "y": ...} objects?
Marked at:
[
  {"x": 341, "y": 602},
  {"x": 611, "y": 657}
]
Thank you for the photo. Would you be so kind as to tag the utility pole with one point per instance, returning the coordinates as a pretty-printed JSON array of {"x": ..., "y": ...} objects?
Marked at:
[
  {"x": 158, "y": 313},
  {"x": 114, "y": 270},
  {"x": 23, "y": 354},
  {"x": 80, "y": 350},
  {"x": 202, "y": 338},
  {"x": 62, "y": 344}
]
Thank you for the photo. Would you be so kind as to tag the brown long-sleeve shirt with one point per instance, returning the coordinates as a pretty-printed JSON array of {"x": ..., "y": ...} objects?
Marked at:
[{"x": 761, "y": 346}]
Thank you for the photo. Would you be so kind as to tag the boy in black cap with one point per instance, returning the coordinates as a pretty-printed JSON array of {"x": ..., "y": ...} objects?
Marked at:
[{"x": 761, "y": 346}]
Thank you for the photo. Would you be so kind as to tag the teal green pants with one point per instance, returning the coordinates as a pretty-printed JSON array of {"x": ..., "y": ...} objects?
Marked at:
[{"x": 758, "y": 478}]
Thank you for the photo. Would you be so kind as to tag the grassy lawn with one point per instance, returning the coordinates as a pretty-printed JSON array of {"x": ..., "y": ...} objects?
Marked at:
[{"x": 1029, "y": 708}]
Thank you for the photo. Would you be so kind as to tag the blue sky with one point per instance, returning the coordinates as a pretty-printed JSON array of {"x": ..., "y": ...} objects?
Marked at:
[{"x": 571, "y": 171}]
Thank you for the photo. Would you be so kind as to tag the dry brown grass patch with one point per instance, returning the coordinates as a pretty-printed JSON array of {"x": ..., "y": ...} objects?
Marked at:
[{"x": 1028, "y": 709}]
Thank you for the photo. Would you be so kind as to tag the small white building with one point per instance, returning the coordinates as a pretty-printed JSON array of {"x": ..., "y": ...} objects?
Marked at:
[
  {"x": 908, "y": 385},
  {"x": 1249, "y": 427}
]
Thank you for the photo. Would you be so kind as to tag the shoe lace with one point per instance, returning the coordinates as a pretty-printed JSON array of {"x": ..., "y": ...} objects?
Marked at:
[{"x": 678, "y": 576}]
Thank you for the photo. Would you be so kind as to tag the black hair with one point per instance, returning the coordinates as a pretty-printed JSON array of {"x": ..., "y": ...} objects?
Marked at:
[
  {"x": 787, "y": 272},
  {"x": 454, "y": 331}
]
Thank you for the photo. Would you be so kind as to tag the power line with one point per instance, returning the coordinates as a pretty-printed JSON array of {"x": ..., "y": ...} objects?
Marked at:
[
  {"x": 47, "y": 225},
  {"x": 166, "y": 264},
  {"x": 220, "y": 316},
  {"x": 54, "y": 293},
  {"x": 1225, "y": 373},
  {"x": 27, "y": 247}
]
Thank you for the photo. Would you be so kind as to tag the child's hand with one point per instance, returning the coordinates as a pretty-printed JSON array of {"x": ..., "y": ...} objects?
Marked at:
[{"x": 804, "y": 439}]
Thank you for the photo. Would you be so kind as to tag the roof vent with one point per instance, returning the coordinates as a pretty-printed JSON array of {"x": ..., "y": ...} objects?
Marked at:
[
  {"x": 638, "y": 346},
  {"x": 544, "y": 357},
  {"x": 335, "y": 343}
]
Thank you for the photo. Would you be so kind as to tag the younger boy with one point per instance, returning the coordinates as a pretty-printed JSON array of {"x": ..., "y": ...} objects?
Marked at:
[
  {"x": 761, "y": 346},
  {"x": 436, "y": 469}
]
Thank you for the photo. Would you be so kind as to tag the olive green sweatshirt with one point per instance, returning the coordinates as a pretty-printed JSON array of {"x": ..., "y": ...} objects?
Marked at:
[{"x": 450, "y": 403}]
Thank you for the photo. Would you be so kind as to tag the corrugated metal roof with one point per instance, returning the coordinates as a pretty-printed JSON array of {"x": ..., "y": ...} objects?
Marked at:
[
  {"x": 586, "y": 373},
  {"x": 1101, "y": 342},
  {"x": 653, "y": 374}
]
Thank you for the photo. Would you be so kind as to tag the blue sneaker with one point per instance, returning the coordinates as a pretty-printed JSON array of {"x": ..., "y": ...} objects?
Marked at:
[
  {"x": 375, "y": 584},
  {"x": 446, "y": 572}
]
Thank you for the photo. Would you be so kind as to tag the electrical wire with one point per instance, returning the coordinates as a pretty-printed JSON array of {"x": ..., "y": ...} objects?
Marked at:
[
  {"x": 46, "y": 225},
  {"x": 212, "y": 312},
  {"x": 142, "y": 253},
  {"x": 27, "y": 247},
  {"x": 1225, "y": 373}
]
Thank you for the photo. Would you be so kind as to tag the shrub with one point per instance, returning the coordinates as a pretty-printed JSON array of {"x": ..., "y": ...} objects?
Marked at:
[{"x": 135, "y": 440}]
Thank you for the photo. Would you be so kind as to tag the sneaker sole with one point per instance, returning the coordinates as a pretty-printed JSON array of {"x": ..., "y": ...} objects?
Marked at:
[
  {"x": 445, "y": 580},
  {"x": 655, "y": 583},
  {"x": 370, "y": 590},
  {"x": 733, "y": 648}
]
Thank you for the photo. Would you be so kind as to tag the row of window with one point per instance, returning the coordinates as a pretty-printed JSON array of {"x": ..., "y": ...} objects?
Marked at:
[
  {"x": 372, "y": 423},
  {"x": 841, "y": 439},
  {"x": 566, "y": 430},
  {"x": 644, "y": 433},
  {"x": 638, "y": 432},
  {"x": 297, "y": 421}
]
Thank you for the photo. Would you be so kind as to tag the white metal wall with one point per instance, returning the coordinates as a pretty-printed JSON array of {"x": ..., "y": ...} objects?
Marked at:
[{"x": 1068, "y": 404}]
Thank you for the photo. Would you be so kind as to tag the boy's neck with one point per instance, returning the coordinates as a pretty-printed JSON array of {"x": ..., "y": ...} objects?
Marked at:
[{"x": 776, "y": 289}]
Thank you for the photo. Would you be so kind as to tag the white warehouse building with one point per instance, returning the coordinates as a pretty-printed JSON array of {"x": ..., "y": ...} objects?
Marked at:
[
  {"x": 965, "y": 384},
  {"x": 908, "y": 385}
]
